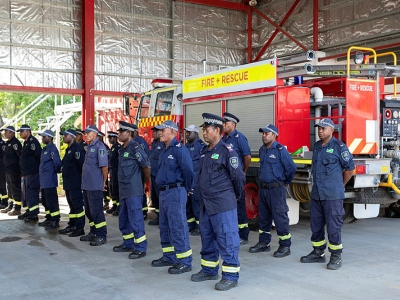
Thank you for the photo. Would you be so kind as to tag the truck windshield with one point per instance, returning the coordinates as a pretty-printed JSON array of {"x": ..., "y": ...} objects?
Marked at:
[
  {"x": 164, "y": 103},
  {"x": 143, "y": 111}
]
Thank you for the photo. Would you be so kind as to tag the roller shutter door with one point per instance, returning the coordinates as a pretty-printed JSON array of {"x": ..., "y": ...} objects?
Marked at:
[
  {"x": 193, "y": 112},
  {"x": 253, "y": 113}
]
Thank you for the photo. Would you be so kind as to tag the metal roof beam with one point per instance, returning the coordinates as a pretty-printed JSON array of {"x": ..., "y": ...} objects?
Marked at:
[{"x": 219, "y": 4}]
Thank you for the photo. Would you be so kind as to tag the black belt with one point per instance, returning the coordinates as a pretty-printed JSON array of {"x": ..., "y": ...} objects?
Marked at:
[
  {"x": 170, "y": 186},
  {"x": 264, "y": 185}
]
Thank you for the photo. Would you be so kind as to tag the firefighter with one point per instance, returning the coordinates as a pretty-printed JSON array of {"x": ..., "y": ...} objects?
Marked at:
[
  {"x": 50, "y": 165},
  {"x": 276, "y": 171},
  {"x": 156, "y": 147},
  {"x": 332, "y": 168},
  {"x": 141, "y": 141},
  {"x": 133, "y": 173},
  {"x": 79, "y": 139},
  {"x": 113, "y": 171},
  {"x": 106, "y": 193},
  {"x": 221, "y": 182},
  {"x": 194, "y": 144},
  {"x": 72, "y": 179},
  {"x": 3, "y": 180},
  {"x": 238, "y": 142},
  {"x": 11, "y": 157},
  {"x": 174, "y": 179},
  {"x": 29, "y": 162},
  {"x": 94, "y": 177}
]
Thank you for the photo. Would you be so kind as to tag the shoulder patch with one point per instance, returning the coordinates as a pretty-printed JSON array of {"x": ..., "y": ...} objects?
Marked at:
[
  {"x": 102, "y": 152},
  {"x": 138, "y": 156},
  {"x": 142, "y": 146},
  {"x": 346, "y": 155},
  {"x": 237, "y": 135},
  {"x": 178, "y": 145},
  {"x": 77, "y": 155},
  {"x": 33, "y": 147},
  {"x": 52, "y": 155},
  {"x": 15, "y": 146},
  {"x": 31, "y": 139},
  {"x": 234, "y": 162}
]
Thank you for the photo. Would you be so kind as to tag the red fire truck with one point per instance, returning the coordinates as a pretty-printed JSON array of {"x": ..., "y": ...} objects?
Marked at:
[{"x": 294, "y": 95}]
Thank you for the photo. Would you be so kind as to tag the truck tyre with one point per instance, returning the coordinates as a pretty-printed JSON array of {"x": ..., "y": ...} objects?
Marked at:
[
  {"x": 348, "y": 216},
  {"x": 251, "y": 198}
]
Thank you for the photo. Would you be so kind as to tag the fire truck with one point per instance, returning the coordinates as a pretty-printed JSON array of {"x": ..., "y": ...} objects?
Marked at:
[{"x": 294, "y": 94}]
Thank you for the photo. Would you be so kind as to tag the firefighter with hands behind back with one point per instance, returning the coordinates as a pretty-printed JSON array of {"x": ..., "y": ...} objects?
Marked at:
[{"x": 221, "y": 182}]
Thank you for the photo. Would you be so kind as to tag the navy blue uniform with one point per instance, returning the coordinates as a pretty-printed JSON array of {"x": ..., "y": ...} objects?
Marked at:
[
  {"x": 11, "y": 157},
  {"x": 221, "y": 182},
  {"x": 277, "y": 169},
  {"x": 29, "y": 163},
  {"x": 132, "y": 160},
  {"x": 328, "y": 163},
  {"x": 143, "y": 144},
  {"x": 156, "y": 148},
  {"x": 3, "y": 180},
  {"x": 174, "y": 178},
  {"x": 239, "y": 142},
  {"x": 93, "y": 185},
  {"x": 113, "y": 170},
  {"x": 72, "y": 179},
  {"x": 193, "y": 204},
  {"x": 50, "y": 165}
]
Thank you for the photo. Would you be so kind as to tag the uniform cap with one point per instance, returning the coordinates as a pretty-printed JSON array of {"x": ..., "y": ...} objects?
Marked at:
[
  {"x": 70, "y": 132},
  {"x": 10, "y": 128},
  {"x": 269, "y": 128},
  {"x": 125, "y": 126},
  {"x": 231, "y": 118},
  {"x": 78, "y": 131},
  {"x": 192, "y": 128},
  {"x": 324, "y": 123},
  {"x": 101, "y": 133},
  {"x": 90, "y": 128},
  {"x": 47, "y": 132},
  {"x": 211, "y": 119},
  {"x": 168, "y": 124},
  {"x": 111, "y": 134},
  {"x": 24, "y": 127},
  {"x": 154, "y": 128}
]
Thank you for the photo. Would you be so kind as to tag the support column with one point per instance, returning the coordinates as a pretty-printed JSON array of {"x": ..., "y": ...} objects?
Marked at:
[{"x": 88, "y": 56}]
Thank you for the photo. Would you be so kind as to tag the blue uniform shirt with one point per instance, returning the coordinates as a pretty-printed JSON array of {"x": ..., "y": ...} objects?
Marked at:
[
  {"x": 11, "y": 156},
  {"x": 95, "y": 159},
  {"x": 328, "y": 163},
  {"x": 30, "y": 156},
  {"x": 175, "y": 166},
  {"x": 221, "y": 178},
  {"x": 113, "y": 158},
  {"x": 72, "y": 166},
  {"x": 3, "y": 145},
  {"x": 154, "y": 155},
  {"x": 50, "y": 165},
  {"x": 194, "y": 151},
  {"x": 276, "y": 164},
  {"x": 131, "y": 161},
  {"x": 238, "y": 142},
  {"x": 143, "y": 144}
]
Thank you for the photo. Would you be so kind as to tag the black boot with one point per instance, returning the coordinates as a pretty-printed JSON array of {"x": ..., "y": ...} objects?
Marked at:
[
  {"x": 315, "y": 256},
  {"x": 335, "y": 262},
  {"x": 112, "y": 209}
]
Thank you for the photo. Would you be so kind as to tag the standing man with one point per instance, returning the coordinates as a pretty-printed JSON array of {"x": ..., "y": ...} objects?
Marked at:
[
  {"x": 143, "y": 144},
  {"x": 113, "y": 171},
  {"x": 174, "y": 179},
  {"x": 79, "y": 139},
  {"x": 3, "y": 180},
  {"x": 156, "y": 148},
  {"x": 50, "y": 165},
  {"x": 106, "y": 193},
  {"x": 72, "y": 179},
  {"x": 133, "y": 173},
  {"x": 12, "y": 168},
  {"x": 332, "y": 168},
  {"x": 221, "y": 182},
  {"x": 239, "y": 142},
  {"x": 94, "y": 177},
  {"x": 276, "y": 172},
  {"x": 194, "y": 144},
  {"x": 29, "y": 162}
]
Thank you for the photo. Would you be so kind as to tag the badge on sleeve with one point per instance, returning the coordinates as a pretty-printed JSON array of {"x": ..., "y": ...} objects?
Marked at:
[
  {"x": 33, "y": 147},
  {"x": 15, "y": 146},
  {"x": 52, "y": 155},
  {"x": 346, "y": 155},
  {"x": 234, "y": 162},
  {"x": 102, "y": 152},
  {"x": 77, "y": 155},
  {"x": 138, "y": 156}
]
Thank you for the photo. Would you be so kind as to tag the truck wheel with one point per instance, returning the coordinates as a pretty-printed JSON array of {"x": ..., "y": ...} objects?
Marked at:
[
  {"x": 395, "y": 208},
  {"x": 251, "y": 198},
  {"x": 348, "y": 216}
]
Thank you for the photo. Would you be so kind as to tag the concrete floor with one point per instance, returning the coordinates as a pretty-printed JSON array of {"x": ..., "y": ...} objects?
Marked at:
[{"x": 39, "y": 264}]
